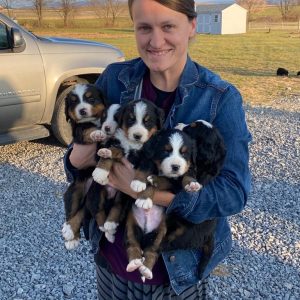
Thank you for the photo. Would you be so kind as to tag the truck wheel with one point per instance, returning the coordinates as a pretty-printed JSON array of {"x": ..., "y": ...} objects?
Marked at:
[{"x": 60, "y": 127}]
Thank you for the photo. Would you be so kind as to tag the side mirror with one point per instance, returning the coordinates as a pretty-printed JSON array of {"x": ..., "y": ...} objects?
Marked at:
[{"x": 17, "y": 38}]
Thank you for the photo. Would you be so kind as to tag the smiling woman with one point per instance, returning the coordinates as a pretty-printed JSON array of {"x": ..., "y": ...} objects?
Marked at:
[{"x": 165, "y": 74}]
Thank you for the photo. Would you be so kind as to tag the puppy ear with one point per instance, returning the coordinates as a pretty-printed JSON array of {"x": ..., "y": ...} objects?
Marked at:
[
  {"x": 119, "y": 115},
  {"x": 150, "y": 145},
  {"x": 67, "y": 107},
  {"x": 194, "y": 153},
  {"x": 161, "y": 118}
]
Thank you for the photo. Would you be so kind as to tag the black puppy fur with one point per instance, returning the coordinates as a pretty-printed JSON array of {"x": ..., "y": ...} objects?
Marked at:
[{"x": 282, "y": 72}]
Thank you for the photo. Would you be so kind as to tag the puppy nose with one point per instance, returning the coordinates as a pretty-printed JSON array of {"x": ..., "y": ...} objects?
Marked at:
[
  {"x": 107, "y": 129},
  {"x": 137, "y": 136},
  {"x": 82, "y": 112},
  {"x": 175, "y": 168}
]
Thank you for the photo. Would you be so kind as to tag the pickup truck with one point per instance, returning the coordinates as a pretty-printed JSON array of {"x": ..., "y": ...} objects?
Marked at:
[{"x": 36, "y": 73}]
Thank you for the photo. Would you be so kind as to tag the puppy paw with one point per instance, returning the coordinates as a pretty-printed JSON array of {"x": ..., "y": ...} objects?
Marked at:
[
  {"x": 100, "y": 176},
  {"x": 101, "y": 228},
  {"x": 193, "y": 186},
  {"x": 144, "y": 203},
  {"x": 110, "y": 237},
  {"x": 70, "y": 245},
  {"x": 145, "y": 272},
  {"x": 110, "y": 227},
  {"x": 138, "y": 186},
  {"x": 98, "y": 136},
  {"x": 67, "y": 232},
  {"x": 180, "y": 126},
  {"x": 135, "y": 264},
  {"x": 104, "y": 152},
  {"x": 152, "y": 179}
]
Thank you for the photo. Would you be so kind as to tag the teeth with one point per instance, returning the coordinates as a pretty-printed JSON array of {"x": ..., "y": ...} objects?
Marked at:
[{"x": 159, "y": 53}]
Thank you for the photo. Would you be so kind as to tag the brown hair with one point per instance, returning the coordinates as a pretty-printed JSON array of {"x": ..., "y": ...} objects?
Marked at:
[{"x": 186, "y": 7}]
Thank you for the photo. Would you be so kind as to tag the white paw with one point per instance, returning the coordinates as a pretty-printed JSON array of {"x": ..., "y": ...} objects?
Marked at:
[
  {"x": 67, "y": 232},
  {"x": 180, "y": 126},
  {"x": 70, "y": 245},
  {"x": 102, "y": 228},
  {"x": 100, "y": 176},
  {"x": 145, "y": 272},
  {"x": 144, "y": 203},
  {"x": 104, "y": 152},
  {"x": 135, "y": 264},
  {"x": 110, "y": 237},
  {"x": 193, "y": 187},
  {"x": 150, "y": 179},
  {"x": 138, "y": 186},
  {"x": 110, "y": 227},
  {"x": 98, "y": 135}
]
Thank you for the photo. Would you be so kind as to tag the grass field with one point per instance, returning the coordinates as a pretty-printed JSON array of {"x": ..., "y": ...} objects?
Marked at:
[{"x": 247, "y": 60}]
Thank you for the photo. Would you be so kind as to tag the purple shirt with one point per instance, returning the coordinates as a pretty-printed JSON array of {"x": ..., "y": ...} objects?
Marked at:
[{"x": 115, "y": 253}]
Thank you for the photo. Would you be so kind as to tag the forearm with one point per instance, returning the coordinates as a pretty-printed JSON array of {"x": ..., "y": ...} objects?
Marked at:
[{"x": 83, "y": 156}]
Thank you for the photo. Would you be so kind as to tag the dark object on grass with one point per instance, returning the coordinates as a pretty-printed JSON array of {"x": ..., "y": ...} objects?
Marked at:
[
  {"x": 298, "y": 74},
  {"x": 282, "y": 72}
]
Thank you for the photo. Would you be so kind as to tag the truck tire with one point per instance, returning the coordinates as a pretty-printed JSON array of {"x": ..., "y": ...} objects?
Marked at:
[{"x": 60, "y": 127}]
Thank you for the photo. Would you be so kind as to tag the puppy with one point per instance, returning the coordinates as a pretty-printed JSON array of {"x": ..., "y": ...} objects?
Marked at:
[
  {"x": 171, "y": 155},
  {"x": 282, "y": 72},
  {"x": 172, "y": 232},
  {"x": 77, "y": 204},
  {"x": 84, "y": 107},
  {"x": 138, "y": 120}
]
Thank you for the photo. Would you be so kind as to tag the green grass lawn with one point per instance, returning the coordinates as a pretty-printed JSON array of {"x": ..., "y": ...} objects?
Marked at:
[{"x": 247, "y": 60}]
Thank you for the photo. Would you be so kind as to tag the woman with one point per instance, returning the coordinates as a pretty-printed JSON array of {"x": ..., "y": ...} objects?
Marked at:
[{"x": 166, "y": 75}]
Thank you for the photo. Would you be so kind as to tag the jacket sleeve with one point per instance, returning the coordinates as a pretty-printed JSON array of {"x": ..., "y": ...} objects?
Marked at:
[{"x": 227, "y": 194}]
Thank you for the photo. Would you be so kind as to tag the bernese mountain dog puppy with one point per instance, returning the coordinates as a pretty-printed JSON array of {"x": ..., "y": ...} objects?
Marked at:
[
  {"x": 174, "y": 165},
  {"x": 85, "y": 111},
  {"x": 138, "y": 120}
]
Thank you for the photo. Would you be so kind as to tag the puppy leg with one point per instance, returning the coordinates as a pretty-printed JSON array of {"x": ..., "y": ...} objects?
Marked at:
[
  {"x": 190, "y": 184},
  {"x": 207, "y": 251},
  {"x": 133, "y": 248},
  {"x": 145, "y": 197},
  {"x": 151, "y": 253},
  {"x": 101, "y": 172},
  {"x": 139, "y": 183}
]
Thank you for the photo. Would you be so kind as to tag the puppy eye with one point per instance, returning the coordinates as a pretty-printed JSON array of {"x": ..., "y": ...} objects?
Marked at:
[
  {"x": 168, "y": 149},
  {"x": 73, "y": 98},
  {"x": 91, "y": 100},
  {"x": 183, "y": 150}
]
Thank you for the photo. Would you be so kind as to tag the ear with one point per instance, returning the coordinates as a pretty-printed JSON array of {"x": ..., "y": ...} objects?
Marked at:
[
  {"x": 102, "y": 96},
  {"x": 161, "y": 118},
  {"x": 67, "y": 108},
  {"x": 119, "y": 115},
  {"x": 150, "y": 145},
  {"x": 194, "y": 153}
]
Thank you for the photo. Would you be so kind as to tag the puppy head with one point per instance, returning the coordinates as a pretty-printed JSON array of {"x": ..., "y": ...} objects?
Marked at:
[
  {"x": 140, "y": 119},
  {"x": 84, "y": 103},
  {"x": 211, "y": 148},
  {"x": 173, "y": 151},
  {"x": 109, "y": 119}
]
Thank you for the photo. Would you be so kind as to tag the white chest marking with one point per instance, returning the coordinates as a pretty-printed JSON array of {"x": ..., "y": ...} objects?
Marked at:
[{"x": 148, "y": 220}]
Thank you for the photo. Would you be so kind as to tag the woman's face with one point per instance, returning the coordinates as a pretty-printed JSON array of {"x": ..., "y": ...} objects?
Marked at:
[{"x": 162, "y": 36}]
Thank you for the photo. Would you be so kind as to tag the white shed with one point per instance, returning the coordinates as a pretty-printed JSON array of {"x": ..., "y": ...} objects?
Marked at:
[{"x": 221, "y": 19}]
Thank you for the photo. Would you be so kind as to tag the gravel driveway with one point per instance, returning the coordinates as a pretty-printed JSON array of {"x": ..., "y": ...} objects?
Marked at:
[{"x": 265, "y": 259}]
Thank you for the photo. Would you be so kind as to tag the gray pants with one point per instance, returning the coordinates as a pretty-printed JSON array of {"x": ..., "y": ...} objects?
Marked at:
[{"x": 113, "y": 287}]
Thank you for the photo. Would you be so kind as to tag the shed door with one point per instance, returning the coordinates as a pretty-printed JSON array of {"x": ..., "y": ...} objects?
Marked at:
[{"x": 204, "y": 23}]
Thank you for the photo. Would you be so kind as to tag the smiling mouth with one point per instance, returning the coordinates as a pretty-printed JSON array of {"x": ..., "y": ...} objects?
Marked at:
[{"x": 158, "y": 53}]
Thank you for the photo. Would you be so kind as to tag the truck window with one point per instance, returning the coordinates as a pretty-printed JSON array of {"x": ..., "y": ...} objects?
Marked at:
[{"x": 3, "y": 37}]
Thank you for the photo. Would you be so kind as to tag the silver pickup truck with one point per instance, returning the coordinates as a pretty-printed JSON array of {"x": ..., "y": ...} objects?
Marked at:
[{"x": 36, "y": 73}]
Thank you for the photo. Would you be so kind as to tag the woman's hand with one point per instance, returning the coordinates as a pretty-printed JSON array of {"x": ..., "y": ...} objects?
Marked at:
[
  {"x": 120, "y": 177},
  {"x": 83, "y": 156}
]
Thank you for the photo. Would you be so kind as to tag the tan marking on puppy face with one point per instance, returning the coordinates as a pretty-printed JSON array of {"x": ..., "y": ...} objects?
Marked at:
[
  {"x": 151, "y": 132},
  {"x": 88, "y": 94},
  {"x": 72, "y": 115},
  {"x": 194, "y": 124},
  {"x": 97, "y": 110}
]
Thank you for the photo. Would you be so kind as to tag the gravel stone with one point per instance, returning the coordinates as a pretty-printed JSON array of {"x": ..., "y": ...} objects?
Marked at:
[{"x": 265, "y": 258}]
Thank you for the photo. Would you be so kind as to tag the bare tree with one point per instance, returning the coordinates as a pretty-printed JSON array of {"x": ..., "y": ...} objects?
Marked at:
[
  {"x": 66, "y": 9},
  {"x": 108, "y": 9},
  {"x": 39, "y": 6},
  {"x": 7, "y": 4},
  {"x": 286, "y": 7},
  {"x": 252, "y": 6}
]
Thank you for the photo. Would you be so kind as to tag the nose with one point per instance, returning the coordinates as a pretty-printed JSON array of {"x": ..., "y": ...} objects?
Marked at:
[
  {"x": 157, "y": 39},
  {"x": 82, "y": 112},
  {"x": 107, "y": 129},
  {"x": 137, "y": 137},
  {"x": 175, "y": 168}
]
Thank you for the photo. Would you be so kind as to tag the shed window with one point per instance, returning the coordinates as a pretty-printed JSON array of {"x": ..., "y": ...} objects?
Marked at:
[{"x": 216, "y": 18}]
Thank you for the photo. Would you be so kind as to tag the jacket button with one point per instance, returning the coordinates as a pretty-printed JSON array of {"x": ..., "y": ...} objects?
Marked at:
[{"x": 172, "y": 258}]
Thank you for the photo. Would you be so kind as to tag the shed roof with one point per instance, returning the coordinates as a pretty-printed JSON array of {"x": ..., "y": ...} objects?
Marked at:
[{"x": 212, "y": 7}]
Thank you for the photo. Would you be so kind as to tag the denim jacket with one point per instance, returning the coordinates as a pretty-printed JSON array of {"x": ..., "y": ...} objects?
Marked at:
[{"x": 201, "y": 94}]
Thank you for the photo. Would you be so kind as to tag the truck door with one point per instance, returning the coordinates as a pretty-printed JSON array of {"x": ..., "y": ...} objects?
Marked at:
[{"x": 22, "y": 83}]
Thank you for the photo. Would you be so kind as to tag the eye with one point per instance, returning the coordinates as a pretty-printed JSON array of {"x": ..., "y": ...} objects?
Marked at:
[
  {"x": 131, "y": 119},
  {"x": 183, "y": 150},
  {"x": 144, "y": 29},
  {"x": 73, "y": 98},
  {"x": 147, "y": 120},
  {"x": 91, "y": 100},
  {"x": 168, "y": 27},
  {"x": 168, "y": 148}
]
